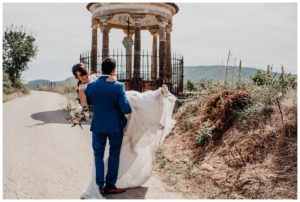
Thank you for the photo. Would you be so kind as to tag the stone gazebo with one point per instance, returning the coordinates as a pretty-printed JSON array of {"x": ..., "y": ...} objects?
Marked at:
[{"x": 132, "y": 18}]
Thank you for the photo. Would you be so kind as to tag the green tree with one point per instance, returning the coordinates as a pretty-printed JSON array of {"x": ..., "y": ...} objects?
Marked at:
[
  {"x": 190, "y": 86},
  {"x": 18, "y": 49}
]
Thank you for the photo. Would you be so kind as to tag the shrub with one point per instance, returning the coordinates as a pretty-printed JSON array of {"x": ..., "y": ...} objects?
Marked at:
[
  {"x": 204, "y": 133},
  {"x": 269, "y": 91},
  {"x": 9, "y": 88},
  {"x": 275, "y": 83},
  {"x": 205, "y": 84},
  {"x": 188, "y": 123},
  {"x": 7, "y": 84},
  {"x": 190, "y": 86}
]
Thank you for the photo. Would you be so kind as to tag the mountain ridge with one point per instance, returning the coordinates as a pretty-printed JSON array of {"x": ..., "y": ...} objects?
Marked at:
[{"x": 192, "y": 73}]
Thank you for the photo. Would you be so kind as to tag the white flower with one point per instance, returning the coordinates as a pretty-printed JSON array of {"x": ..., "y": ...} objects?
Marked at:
[
  {"x": 78, "y": 113},
  {"x": 72, "y": 114},
  {"x": 79, "y": 108}
]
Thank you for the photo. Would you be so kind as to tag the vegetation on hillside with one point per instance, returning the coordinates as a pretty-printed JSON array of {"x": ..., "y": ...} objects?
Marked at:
[
  {"x": 234, "y": 141},
  {"x": 67, "y": 90}
]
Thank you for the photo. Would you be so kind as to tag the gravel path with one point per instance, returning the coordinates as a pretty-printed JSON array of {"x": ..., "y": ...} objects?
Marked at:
[{"x": 45, "y": 158}]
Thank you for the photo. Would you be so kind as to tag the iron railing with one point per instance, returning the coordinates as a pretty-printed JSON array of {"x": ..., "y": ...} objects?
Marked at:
[{"x": 177, "y": 64}]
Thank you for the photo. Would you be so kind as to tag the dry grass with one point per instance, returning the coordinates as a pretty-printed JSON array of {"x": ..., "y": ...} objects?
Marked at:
[
  {"x": 249, "y": 161},
  {"x": 59, "y": 89},
  {"x": 68, "y": 91},
  {"x": 11, "y": 96}
]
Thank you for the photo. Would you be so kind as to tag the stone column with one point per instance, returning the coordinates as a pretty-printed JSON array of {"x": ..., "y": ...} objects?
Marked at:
[
  {"x": 162, "y": 52},
  {"x": 128, "y": 42},
  {"x": 94, "y": 48},
  {"x": 168, "y": 56},
  {"x": 137, "y": 80},
  {"x": 105, "y": 37},
  {"x": 154, "y": 34}
]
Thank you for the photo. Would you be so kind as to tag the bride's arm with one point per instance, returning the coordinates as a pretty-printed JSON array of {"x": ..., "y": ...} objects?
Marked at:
[
  {"x": 111, "y": 79},
  {"x": 82, "y": 97}
]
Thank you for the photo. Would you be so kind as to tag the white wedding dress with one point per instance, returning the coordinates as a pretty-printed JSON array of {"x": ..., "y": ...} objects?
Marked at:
[{"x": 150, "y": 122}]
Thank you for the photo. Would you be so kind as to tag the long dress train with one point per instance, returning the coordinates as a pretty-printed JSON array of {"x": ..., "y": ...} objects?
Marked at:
[{"x": 151, "y": 121}]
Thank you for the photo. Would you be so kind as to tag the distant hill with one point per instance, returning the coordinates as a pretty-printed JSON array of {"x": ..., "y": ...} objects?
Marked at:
[
  {"x": 42, "y": 82},
  {"x": 192, "y": 73},
  {"x": 217, "y": 72}
]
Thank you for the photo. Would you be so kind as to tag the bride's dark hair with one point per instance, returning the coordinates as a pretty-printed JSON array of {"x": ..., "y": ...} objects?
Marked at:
[{"x": 81, "y": 69}]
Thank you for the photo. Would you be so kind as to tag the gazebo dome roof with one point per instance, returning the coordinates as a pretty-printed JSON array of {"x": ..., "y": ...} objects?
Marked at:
[{"x": 118, "y": 14}]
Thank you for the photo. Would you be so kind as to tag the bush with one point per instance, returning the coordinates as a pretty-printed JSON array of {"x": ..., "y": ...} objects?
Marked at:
[
  {"x": 188, "y": 123},
  {"x": 204, "y": 133},
  {"x": 205, "y": 84},
  {"x": 9, "y": 88},
  {"x": 269, "y": 90},
  {"x": 7, "y": 84},
  {"x": 275, "y": 83},
  {"x": 190, "y": 86}
]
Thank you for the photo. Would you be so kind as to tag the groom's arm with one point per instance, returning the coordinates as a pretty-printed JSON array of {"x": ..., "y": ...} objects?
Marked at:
[{"x": 123, "y": 101}]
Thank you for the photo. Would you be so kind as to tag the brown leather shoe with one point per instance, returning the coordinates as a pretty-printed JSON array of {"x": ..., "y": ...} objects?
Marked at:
[{"x": 113, "y": 190}]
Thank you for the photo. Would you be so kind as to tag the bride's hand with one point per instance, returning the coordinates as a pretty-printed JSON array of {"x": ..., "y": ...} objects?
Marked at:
[
  {"x": 128, "y": 117},
  {"x": 111, "y": 79}
]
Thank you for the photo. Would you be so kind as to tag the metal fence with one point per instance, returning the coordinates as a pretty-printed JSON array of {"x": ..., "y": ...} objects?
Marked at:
[{"x": 177, "y": 63}]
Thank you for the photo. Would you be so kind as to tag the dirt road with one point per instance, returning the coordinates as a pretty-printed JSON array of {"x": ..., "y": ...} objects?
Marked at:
[{"x": 45, "y": 158}]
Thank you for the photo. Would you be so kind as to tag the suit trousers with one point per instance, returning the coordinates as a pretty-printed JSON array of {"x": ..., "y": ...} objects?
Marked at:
[{"x": 99, "y": 142}]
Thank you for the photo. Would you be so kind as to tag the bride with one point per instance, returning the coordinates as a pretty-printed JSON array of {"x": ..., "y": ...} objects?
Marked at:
[{"x": 150, "y": 122}]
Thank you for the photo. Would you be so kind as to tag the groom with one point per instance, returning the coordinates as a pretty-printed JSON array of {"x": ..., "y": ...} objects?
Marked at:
[{"x": 110, "y": 107}]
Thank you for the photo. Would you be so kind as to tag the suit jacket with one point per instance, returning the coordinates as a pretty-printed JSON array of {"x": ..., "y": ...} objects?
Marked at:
[{"x": 109, "y": 104}]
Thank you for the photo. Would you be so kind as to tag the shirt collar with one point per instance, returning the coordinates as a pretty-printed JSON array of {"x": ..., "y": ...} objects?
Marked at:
[{"x": 104, "y": 76}]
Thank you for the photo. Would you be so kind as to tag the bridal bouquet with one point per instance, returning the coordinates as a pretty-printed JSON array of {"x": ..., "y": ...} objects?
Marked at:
[{"x": 78, "y": 113}]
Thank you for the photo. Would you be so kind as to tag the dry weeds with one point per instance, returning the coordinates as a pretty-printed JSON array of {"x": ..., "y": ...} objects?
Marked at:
[{"x": 253, "y": 162}]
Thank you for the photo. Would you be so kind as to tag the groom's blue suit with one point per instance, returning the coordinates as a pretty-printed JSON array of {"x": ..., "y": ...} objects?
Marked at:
[{"x": 110, "y": 106}]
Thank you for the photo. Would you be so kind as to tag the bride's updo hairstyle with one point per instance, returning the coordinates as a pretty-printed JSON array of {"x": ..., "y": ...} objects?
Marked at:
[
  {"x": 79, "y": 68},
  {"x": 108, "y": 65}
]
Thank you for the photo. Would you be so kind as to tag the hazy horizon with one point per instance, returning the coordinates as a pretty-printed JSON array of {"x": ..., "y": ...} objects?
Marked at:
[{"x": 186, "y": 66}]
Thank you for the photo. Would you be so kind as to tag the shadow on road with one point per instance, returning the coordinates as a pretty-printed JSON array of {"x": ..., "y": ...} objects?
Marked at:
[
  {"x": 131, "y": 193},
  {"x": 56, "y": 116}
]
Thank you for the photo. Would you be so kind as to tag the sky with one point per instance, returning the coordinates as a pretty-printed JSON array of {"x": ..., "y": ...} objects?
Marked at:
[{"x": 256, "y": 33}]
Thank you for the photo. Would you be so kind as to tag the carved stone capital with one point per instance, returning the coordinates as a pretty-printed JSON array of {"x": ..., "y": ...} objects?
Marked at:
[
  {"x": 162, "y": 22},
  {"x": 104, "y": 28},
  {"x": 95, "y": 23},
  {"x": 104, "y": 20},
  {"x": 138, "y": 18},
  {"x": 154, "y": 32},
  {"x": 104, "y": 24},
  {"x": 95, "y": 26},
  {"x": 169, "y": 28}
]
